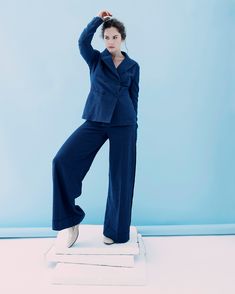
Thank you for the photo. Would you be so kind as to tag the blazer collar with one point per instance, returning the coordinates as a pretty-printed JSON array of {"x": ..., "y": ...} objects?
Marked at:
[{"x": 127, "y": 62}]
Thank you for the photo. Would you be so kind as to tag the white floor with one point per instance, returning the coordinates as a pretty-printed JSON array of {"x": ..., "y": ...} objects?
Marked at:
[{"x": 195, "y": 264}]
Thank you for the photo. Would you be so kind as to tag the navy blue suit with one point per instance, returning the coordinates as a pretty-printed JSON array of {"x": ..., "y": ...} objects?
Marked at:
[{"x": 111, "y": 114}]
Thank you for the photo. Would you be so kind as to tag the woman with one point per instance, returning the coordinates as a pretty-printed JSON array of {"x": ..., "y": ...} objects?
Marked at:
[{"x": 110, "y": 113}]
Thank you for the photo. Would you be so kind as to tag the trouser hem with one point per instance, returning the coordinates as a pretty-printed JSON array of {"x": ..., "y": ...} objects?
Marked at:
[
  {"x": 122, "y": 237},
  {"x": 58, "y": 225}
]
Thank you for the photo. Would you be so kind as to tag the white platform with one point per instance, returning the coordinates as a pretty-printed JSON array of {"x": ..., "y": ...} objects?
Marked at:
[
  {"x": 84, "y": 274},
  {"x": 92, "y": 262}
]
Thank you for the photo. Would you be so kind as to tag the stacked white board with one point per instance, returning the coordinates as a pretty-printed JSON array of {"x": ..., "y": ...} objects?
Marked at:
[{"x": 91, "y": 262}]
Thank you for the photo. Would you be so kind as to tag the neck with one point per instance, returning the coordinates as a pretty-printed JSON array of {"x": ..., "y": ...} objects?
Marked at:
[{"x": 117, "y": 54}]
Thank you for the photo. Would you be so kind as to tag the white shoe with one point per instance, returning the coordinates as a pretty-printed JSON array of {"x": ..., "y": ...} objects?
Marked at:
[
  {"x": 67, "y": 237},
  {"x": 107, "y": 240}
]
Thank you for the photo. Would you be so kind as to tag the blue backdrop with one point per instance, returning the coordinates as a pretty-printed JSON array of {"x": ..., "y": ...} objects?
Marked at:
[{"x": 185, "y": 154}]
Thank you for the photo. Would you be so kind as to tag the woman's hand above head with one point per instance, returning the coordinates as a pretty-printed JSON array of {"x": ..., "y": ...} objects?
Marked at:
[{"x": 104, "y": 14}]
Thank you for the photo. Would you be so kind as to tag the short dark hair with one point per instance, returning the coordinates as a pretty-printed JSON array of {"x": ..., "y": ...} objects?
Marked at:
[{"x": 113, "y": 22}]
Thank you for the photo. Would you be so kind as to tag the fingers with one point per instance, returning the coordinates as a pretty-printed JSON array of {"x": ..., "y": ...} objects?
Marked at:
[{"x": 105, "y": 13}]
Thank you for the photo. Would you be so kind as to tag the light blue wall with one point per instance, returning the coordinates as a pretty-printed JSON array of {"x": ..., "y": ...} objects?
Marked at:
[{"x": 186, "y": 140}]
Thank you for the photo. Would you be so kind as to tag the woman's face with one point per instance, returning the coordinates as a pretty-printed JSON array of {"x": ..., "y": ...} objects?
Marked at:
[{"x": 112, "y": 39}]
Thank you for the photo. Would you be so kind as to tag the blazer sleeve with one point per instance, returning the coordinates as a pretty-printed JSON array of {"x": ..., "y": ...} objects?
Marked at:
[
  {"x": 134, "y": 87},
  {"x": 84, "y": 41}
]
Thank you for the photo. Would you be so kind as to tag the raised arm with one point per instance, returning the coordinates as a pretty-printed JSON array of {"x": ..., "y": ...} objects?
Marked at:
[{"x": 84, "y": 41}]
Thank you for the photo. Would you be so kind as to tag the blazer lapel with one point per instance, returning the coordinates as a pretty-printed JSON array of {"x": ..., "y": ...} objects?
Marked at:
[{"x": 127, "y": 62}]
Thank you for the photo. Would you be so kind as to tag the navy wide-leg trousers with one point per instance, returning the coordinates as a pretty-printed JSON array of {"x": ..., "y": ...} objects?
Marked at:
[{"x": 72, "y": 162}]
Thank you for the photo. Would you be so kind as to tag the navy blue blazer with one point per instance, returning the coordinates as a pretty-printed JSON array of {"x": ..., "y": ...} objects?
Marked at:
[{"x": 113, "y": 96}]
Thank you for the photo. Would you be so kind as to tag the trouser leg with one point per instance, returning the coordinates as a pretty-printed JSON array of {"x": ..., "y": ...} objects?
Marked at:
[
  {"x": 122, "y": 167},
  {"x": 69, "y": 167}
]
